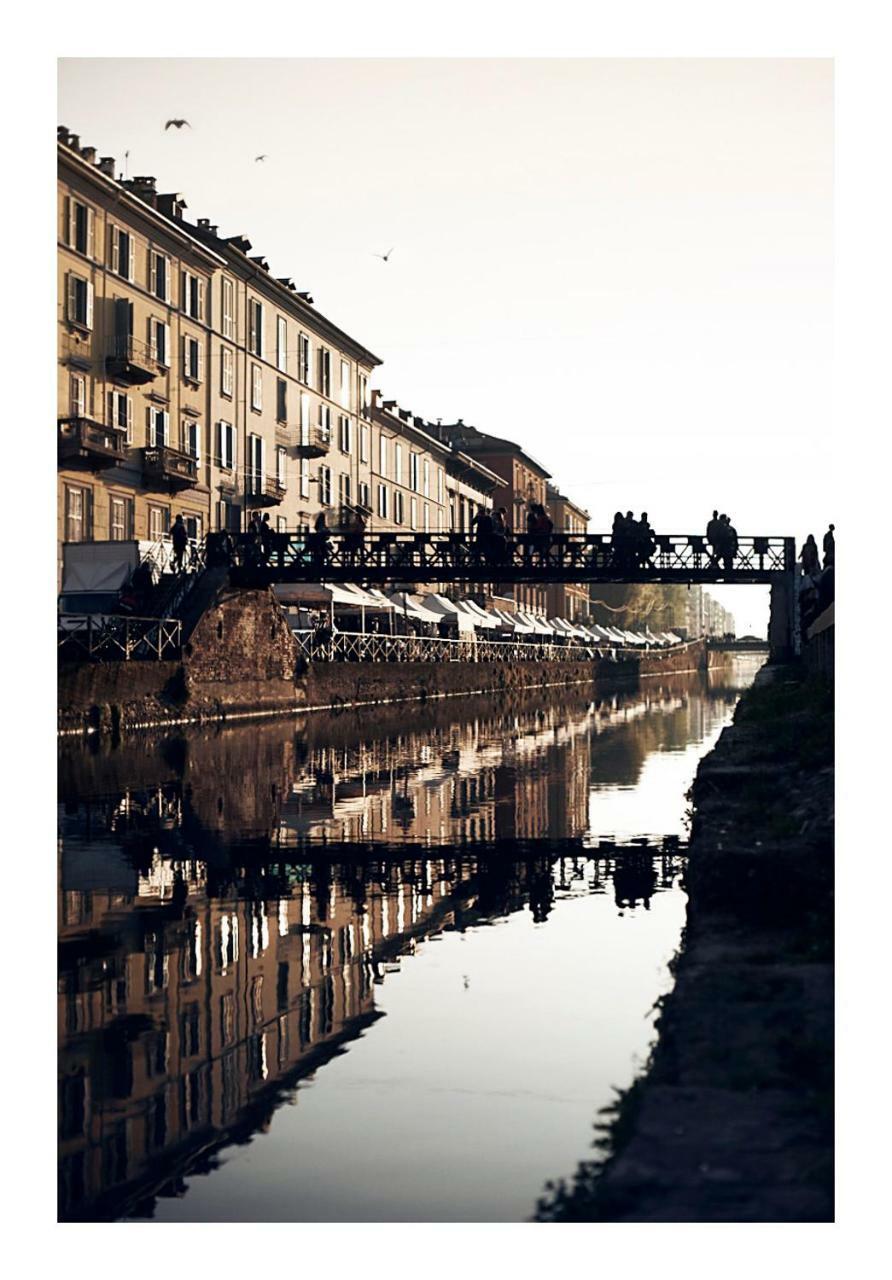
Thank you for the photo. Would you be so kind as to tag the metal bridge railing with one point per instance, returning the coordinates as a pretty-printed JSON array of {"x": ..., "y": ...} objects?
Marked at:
[
  {"x": 113, "y": 638},
  {"x": 441, "y": 556}
]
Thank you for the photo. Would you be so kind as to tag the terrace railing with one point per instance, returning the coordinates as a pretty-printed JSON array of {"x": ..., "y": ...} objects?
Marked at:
[{"x": 118, "y": 638}]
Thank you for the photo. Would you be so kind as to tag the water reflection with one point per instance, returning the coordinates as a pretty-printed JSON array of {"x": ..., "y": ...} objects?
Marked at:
[{"x": 210, "y": 957}]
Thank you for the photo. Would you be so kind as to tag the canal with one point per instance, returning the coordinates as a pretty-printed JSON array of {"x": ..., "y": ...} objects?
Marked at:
[{"x": 255, "y": 1027}]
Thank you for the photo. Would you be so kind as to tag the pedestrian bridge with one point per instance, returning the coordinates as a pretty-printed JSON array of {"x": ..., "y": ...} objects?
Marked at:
[{"x": 382, "y": 558}]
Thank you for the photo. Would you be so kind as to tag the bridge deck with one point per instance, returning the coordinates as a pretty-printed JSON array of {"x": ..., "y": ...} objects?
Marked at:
[{"x": 380, "y": 558}]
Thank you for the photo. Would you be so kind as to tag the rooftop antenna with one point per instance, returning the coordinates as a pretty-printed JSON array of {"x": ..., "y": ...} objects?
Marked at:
[{"x": 126, "y": 158}]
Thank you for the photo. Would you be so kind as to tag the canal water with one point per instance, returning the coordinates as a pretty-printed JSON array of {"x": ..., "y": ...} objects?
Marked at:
[{"x": 365, "y": 967}]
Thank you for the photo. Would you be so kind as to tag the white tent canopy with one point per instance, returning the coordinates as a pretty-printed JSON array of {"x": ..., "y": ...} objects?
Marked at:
[
  {"x": 413, "y": 608},
  {"x": 481, "y": 617},
  {"x": 445, "y": 608}
]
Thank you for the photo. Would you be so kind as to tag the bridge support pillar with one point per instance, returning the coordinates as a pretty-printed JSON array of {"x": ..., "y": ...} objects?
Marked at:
[{"x": 783, "y": 621}]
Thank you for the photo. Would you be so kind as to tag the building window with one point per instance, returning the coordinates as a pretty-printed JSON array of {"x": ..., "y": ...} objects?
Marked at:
[
  {"x": 362, "y": 494},
  {"x": 344, "y": 490},
  {"x": 324, "y": 371},
  {"x": 427, "y": 517},
  {"x": 281, "y": 400},
  {"x": 77, "y": 396},
  {"x": 325, "y": 421},
  {"x": 226, "y": 371},
  {"x": 398, "y": 463},
  {"x": 382, "y": 501},
  {"x": 255, "y": 327},
  {"x": 441, "y": 485},
  {"x": 382, "y": 454},
  {"x": 191, "y": 437},
  {"x": 79, "y": 231},
  {"x": 281, "y": 343},
  {"x": 80, "y": 301},
  {"x": 413, "y": 472},
  {"x": 122, "y": 252},
  {"x": 426, "y": 477},
  {"x": 159, "y": 275},
  {"x": 304, "y": 359},
  {"x": 397, "y": 507},
  {"x": 325, "y": 485},
  {"x": 227, "y": 306},
  {"x": 226, "y": 445},
  {"x": 192, "y": 359},
  {"x": 120, "y": 518},
  {"x": 413, "y": 513},
  {"x": 256, "y": 387},
  {"x": 193, "y": 296},
  {"x": 280, "y": 467},
  {"x": 159, "y": 342},
  {"x": 363, "y": 442},
  {"x": 120, "y": 413},
  {"x": 363, "y": 395},
  {"x": 159, "y": 426},
  {"x": 345, "y": 443},
  {"x": 256, "y": 464},
  {"x": 77, "y": 513},
  {"x": 304, "y": 418},
  {"x": 345, "y": 384},
  {"x": 304, "y": 477}
]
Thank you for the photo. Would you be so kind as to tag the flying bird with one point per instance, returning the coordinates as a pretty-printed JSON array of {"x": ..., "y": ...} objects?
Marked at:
[
  {"x": 257, "y": 158},
  {"x": 177, "y": 124},
  {"x": 383, "y": 256}
]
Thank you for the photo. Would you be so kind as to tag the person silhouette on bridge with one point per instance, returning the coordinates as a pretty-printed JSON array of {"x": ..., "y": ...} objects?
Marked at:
[
  {"x": 646, "y": 543},
  {"x": 829, "y": 547},
  {"x": 809, "y": 558},
  {"x": 620, "y": 541},
  {"x": 500, "y": 535},
  {"x": 482, "y": 524},
  {"x": 318, "y": 541},
  {"x": 266, "y": 537},
  {"x": 714, "y": 537},
  {"x": 728, "y": 542},
  {"x": 179, "y": 538}
]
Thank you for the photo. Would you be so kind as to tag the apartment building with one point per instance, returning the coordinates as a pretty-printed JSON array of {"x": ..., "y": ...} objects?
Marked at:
[
  {"x": 191, "y": 381},
  {"x": 523, "y": 481},
  {"x": 133, "y": 342},
  {"x": 566, "y": 599}
]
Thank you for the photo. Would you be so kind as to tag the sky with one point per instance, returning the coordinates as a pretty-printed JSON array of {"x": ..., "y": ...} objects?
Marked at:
[{"x": 624, "y": 265}]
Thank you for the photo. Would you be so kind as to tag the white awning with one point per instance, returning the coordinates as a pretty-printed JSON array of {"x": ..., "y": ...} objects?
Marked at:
[
  {"x": 97, "y": 566},
  {"x": 481, "y": 617},
  {"x": 515, "y": 622},
  {"x": 446, "y": 608},
  {"x": 404, "y": 603},
  {"x": 537, "y": 625},
  {"x": 319, "y": 593}
]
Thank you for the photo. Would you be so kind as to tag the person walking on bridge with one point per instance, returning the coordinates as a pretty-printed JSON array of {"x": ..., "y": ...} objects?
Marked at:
[
  {"x": 179, "y": 538},
  {"x": 829, "y": 547},
  {"x": 646, "y": 542}
]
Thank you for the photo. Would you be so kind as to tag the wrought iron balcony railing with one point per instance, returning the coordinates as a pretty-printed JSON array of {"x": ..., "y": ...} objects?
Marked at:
[
  {"x": 313, "y": 444},
  {"x": 131, "y": 360},
  {"x": 263, "y": 491},
  {"x": 169, "y": 468},
  {"x": 85, "y": 443}
]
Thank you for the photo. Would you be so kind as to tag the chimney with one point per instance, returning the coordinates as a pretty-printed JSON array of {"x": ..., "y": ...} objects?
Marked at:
[
  {"x": 375, "y": 398},
  {"x": 261, "y": 262},
  {"x": 171, "y": 205},
  {"x": 205, "y": 224},
  {"x": 89, "y": 154},
  {"x": 107, "y": 166},
  {"x": 144, "y": 188},
  {"x": 239, "y": 242},
  {"x": 389, "y": 404},
  {"x": 307, "y": 298},
  {"x": 74, "y": 141},
  {"x": 287, "y": 282},
  {"x": 62, "y": 135}
]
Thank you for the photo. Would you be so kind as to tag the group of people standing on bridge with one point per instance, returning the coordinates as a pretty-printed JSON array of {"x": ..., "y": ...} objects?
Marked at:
[
  {"x": 633, "y": 542},
  {"x": 721, "y": 537}
]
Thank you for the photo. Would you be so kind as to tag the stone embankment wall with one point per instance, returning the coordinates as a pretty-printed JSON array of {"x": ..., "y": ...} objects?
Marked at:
[
  {"x": 733, "y": 1121},
  {"x": 239, "y": 660}
]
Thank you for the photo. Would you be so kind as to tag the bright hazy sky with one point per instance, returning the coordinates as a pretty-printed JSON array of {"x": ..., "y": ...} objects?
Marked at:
[{"x": 624, "y": 265}]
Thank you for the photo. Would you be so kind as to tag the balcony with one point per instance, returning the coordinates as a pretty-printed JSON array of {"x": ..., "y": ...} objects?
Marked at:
[
  {"x": 85, "y": 443},
  {"x": 263, "y": 491},
  {"x": 314, "y": 445},
  {"x": 165, "y": 468},
  {"x": 132, "y": 361}
]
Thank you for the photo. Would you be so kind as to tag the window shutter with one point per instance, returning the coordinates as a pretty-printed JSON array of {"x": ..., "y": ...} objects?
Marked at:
[
  {"x": 165, "y": 426},
  {"x": 89, "y": 305},
  {"x": 110, "y": 416},
  {"x": 129, "y": 404},
  {"x": 166, "y": 360},
  {"x": 184, "y": 296},
  {"x": 150, "y": 425},
  {"x": 113, "y": 251},
  {"x": 91, "y": 219},
  {"x": 200, "y": 360},
  {"x": 131, "y": 254},
  {"x": 153, "y": 271},
  {"x": 201, "y": 300},
  {"x": 71, "y": 304}
]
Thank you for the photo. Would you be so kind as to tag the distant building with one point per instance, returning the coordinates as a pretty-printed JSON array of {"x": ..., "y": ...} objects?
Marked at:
[{"x": 566, "y": 599}]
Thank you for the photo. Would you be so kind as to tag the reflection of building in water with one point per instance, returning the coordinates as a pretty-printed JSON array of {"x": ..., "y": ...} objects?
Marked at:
[{"x": 179, "y": 1014}]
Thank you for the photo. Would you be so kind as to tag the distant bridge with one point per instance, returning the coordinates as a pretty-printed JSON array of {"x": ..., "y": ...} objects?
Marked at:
[
  {"x": 513, "y": 849},
  {"x": 745, "y": 644},
  {"x": 381, "y": 558}
]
